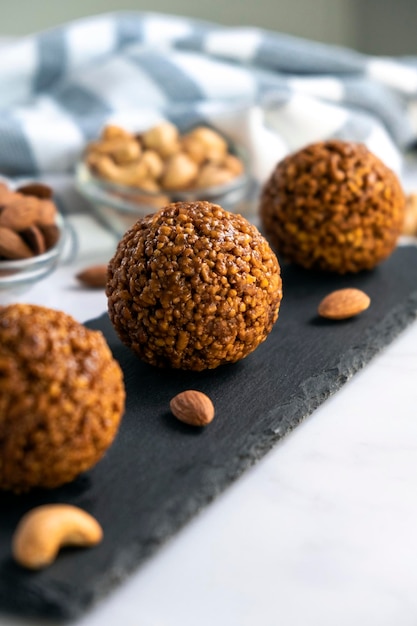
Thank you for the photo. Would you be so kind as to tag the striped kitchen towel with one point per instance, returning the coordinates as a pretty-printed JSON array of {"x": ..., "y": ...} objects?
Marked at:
[{"x": 272, "y": 91}]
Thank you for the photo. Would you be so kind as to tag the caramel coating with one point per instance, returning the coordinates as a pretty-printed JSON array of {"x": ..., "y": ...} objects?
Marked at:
[
  {"x": 61, "y": 397},
  {"x": 193, "y": 286},
  {"x": 333, "y": 206}
]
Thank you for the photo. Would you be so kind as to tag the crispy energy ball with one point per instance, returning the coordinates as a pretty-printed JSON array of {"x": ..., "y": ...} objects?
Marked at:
[
  {"x": 61, "y": 397},
  {"x": 193, "y": 286},
  {"x": 333, "y": 206}
]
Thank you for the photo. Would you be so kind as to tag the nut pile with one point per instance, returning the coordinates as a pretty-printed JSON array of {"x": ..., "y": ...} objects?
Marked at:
[
  {"x": 161, "y": 160},
  {"x": 333, "y": 206},
  {"x": 193, "y": 287},
  {"x": 27, "y": 221}
]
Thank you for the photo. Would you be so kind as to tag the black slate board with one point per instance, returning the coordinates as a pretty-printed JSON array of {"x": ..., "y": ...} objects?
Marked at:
[{"x": 159, "y": 472}]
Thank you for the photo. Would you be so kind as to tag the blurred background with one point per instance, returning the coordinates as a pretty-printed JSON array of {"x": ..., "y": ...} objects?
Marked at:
[{"x": 381, "y": 27}]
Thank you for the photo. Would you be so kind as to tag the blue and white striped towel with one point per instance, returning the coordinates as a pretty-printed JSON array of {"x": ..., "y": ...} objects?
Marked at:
[{"x": 58, "y": 88}]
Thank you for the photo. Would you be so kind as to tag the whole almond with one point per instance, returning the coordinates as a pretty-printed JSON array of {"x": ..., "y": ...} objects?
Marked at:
[
  {"x": 193, "y": 408},
  {"x": 343, "y": 303},
  {"x": 51, "y": 234},
  {"x": 20, "y": 213},
  {"x": 39, "y": 190},
  {"x": 6, "y": 195},
  {"x": 35, "y": 239},
  {"x": 12, "y": 245},
  {"x": 47, "y": 213},
  {"x": 93, "y": 276}
]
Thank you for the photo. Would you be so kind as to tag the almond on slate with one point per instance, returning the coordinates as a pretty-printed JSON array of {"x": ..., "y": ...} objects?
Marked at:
[
  {"x": 93, "y": 276},
  {"x": 343, "y": 303},
  {"x": 193, "y": 408},
  {"x": 12, "y": 245}
]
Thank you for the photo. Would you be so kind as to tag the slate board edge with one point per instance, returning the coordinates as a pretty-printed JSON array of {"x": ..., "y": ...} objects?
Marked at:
[{"x": 49, "y": 604}]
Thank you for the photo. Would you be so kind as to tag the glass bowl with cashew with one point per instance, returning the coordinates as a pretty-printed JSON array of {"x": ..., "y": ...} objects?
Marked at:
[
  {"x": 33, "y": 234},
  {"x": 127, "y": 175}
]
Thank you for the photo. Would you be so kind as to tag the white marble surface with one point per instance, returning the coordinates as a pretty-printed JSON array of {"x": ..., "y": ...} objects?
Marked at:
[{"x": 321, "y": 532}]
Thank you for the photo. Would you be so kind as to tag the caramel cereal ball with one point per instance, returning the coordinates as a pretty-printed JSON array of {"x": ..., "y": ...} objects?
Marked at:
[
  {"x": 193, "y": 286},
  {"x": 333, "y": 206},
  {"x": 61, "y": 397}
]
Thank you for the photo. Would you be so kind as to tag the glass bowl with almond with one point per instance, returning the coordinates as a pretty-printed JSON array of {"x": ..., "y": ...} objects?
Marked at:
[
  {"x": 127, "y": 175},
  {"x": 32, "y": 237}
]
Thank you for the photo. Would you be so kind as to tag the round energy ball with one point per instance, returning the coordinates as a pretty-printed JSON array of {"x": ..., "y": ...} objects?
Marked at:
[
  {"x": 61, "y": 397},
  {"x": 193, "y": 286},
  {"x": 333, "y": 206}
]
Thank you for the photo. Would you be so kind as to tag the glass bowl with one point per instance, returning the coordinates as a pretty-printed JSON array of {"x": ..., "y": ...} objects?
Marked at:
[
  {"x": 17, "y": 276},
  {"x": 119, "y": 207}
]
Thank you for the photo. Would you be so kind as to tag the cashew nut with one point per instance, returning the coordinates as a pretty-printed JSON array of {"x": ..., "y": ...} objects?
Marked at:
[
  {"x": 121, "y": 150},
  {"x": 44, "y": 530},
  {"x": 115, "y": 132},
  {"x": 234, "y": 164},
  {"x": 132, "y": 174},
  {"x": 104, "y": 166},
  {"x": 180, "y": 172},
  {"x": 137, "y": 175},
  {"x": 154, "y": 162},
  {"x": 213, "y": 144},
  {"x": 163, "y": 138},
  {"x": 194, "y": 148},
  {"x": 210, "y": 176},
  {"x": 126, "y": 151},
  {"x": 148, "y": 184}
]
